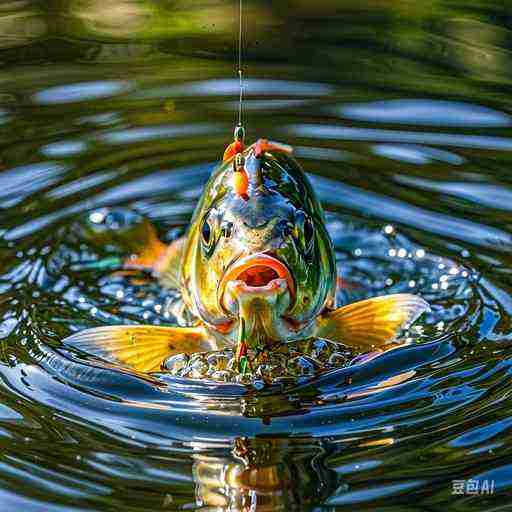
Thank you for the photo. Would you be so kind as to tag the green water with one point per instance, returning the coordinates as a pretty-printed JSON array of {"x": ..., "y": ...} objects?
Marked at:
[{"x": 399, "y": 111}]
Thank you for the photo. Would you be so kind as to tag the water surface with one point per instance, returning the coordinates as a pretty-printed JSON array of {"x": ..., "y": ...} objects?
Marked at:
[{"x": 401, "y": 116}]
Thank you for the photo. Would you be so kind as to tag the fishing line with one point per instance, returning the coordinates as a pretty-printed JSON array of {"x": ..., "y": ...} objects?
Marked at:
[{"x": 240, "y": 65}]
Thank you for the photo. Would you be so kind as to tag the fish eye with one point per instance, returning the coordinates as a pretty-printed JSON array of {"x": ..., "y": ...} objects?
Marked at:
[{"x": 206, "y": 233}]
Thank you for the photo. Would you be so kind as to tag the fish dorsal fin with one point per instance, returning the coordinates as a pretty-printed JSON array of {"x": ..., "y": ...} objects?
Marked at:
[
  {"x": 142, "y": 347},
  {"x": 371, "y": 323}
]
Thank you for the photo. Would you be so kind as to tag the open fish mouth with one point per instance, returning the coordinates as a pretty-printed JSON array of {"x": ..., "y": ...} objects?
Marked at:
[{"x": 258, "y": 274}]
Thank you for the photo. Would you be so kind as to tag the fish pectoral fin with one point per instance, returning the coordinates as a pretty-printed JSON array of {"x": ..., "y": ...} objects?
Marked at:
[
  {"x": 164, "y": 260},
  {"x": 371, "y": 323},
  {"x": 142, "y": 347}
]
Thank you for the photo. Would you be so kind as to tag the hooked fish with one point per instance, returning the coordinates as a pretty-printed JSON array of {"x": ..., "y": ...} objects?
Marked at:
[{"x": 257, "y": 267}]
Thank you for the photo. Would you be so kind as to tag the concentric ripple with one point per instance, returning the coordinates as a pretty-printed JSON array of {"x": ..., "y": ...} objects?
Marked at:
[{"x": 416, "y": 200}]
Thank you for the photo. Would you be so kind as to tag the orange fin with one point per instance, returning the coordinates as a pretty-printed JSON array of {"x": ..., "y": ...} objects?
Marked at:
[
  {"x": 371, "y": 323},
  {"x": 141, "y": 347},
  {"x": 150, "y": 249},
  {"x": 164, "y": 260}
]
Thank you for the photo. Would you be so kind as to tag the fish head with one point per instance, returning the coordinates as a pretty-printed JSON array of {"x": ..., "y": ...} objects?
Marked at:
[{"x": 264, "y": 256}]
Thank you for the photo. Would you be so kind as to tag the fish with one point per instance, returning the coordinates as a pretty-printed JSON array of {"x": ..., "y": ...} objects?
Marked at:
[{"x": 256, "y": 267}]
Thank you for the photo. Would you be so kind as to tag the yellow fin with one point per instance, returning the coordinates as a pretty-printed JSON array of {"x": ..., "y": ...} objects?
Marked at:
[
  {"x": 142, "y": 347},
  {"x": 373, "y": 322}
]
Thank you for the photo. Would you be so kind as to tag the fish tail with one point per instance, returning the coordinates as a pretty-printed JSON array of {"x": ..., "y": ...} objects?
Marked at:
[{"x": 148, "y": 251}]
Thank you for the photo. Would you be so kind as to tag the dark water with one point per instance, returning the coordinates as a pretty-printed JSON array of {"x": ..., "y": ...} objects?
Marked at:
[{"x": 112, "y": 112}]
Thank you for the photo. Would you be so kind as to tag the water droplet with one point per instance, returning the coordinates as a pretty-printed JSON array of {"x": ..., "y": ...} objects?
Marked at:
[{"x": 97, "y": 217}]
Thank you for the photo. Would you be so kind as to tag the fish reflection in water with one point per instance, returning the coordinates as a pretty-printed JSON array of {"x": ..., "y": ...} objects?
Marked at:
[{"x": 264, "y": 474}]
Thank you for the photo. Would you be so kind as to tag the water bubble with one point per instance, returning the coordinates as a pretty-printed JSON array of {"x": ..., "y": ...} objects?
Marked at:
[
  {"x": 218, "y": 361},
  {"x": 303, "y": 365},
  {"x": 420, "y": 253},
  {"x": 389, "y": 229},
  {"x": 232, "y": 364},
  {"x": 338, "y": 359},
  {"x": 222, "y": 376},
  {"x": 242, "y": 378},
  {"x": 97, "y": 217},
  {"x": 265, "y": 371},
  {"x": 402, "y": 253},
  {"x": 258, "y": 384},
  {"x": 175, "y": 364}
]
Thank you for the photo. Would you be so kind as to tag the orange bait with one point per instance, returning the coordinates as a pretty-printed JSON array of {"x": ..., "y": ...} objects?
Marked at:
[{"x": 240, "y": 177}]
